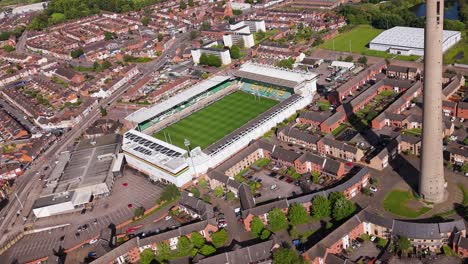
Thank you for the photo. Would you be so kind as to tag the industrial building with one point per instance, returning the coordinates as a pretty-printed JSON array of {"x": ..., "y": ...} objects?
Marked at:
[
  {"x": 80, "y": 176},
  {"x": 409, "y": 40}
]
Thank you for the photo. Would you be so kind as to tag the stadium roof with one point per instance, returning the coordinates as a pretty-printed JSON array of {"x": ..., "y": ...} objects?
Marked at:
[
  {"x": 148, "y": 112},
  {"x": 407, "y": 37},
  {"x": 155, "y": 151},
  {"x": 273, "y": 75}
]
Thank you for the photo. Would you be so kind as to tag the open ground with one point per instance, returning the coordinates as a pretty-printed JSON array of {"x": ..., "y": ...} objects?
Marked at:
[{"x": 213, "y": 122}]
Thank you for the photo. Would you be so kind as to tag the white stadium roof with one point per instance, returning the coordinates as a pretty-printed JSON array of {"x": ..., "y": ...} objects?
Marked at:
[
  {"x": 155, "y": 151},
  {"x": 149, "y": 112},
  {"x": 273, "y": 75},
  {"x": 407, "y": 37}
]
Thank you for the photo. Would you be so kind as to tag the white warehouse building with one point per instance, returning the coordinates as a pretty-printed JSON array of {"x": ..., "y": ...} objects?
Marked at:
[
  {"x": 409, "y": 41},
  {"x": 223, "y": 54}
]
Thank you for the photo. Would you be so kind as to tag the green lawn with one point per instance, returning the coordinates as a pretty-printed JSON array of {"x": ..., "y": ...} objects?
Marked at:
[
  {"x": 213, "y": 122},
  {"x": 396, "y": 203},
  {"x": 357, "y": 38},
  {"x": 451, "y": 56}
]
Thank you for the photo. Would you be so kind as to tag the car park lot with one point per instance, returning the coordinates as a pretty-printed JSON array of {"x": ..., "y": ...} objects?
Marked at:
[{"x": 283, "y": 189}]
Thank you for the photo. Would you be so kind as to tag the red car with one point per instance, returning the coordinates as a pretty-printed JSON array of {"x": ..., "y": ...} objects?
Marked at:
[{"x": 133, "y": 229}]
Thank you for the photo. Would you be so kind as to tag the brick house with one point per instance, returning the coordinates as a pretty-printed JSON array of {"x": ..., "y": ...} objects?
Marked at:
[
  {"x": 299, "y": 137},
  {"x": 339, "y": 149},
  {"x": 312, "y": 118}
]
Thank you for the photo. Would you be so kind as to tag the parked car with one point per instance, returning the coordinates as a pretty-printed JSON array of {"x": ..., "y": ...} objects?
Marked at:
[
  {"x": 282, "y": 177},
  {"x": 168, "y": 217},
  {"x": 373, "y": 189},
  {"x": 92, "y": 241},
  {"x": 273, "y": 187},
  {"x": 257, "y": 195}
]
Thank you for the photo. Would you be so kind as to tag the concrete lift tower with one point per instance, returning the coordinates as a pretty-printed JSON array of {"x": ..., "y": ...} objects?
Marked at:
[{"x": 432, "y": 181}]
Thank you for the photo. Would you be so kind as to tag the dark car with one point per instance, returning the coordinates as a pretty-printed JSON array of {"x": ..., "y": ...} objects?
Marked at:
[
  {"x": 257, "y": 195},
  {"x": 273, "y": 174},
  {"x": 282, "y": 177}
]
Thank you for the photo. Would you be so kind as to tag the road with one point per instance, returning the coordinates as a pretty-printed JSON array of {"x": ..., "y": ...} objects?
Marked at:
[
  {"x": 28, "y": 185},
  {"x": 25, "y": 9}
]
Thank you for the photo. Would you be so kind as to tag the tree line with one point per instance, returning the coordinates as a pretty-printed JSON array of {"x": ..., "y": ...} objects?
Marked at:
[{"x": 395, "y": 13}]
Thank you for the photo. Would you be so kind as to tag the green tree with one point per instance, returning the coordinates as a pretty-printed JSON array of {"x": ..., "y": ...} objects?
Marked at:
[
  {"x": 286, "y": 63},
  {"x": 139, "y": 211},
  {"x": 315, "y": 176},
  {"x": 205, "y": 25},
  {"x": 453, "y": 25},
  {"x": 184, "y": 246},
  {"x": 256, "y": 226},
  {"x": 197, "y": 239},
  {"x": 343, "y": 208},
  {"x": 363, "y": 60},
  {"x": 193, "y": 34},
  {"x": 237, "y": 12},
  {"x": 182, "y": 5},
  {"x": 147, "y": 256},
  {"x": 76, "y": 53},
  {"x": 235, "y": 52},
  {"x": 297, "y": 214},
  {"x": 218, "y": 191},
  {"x": 265, "y": 234},
  {"x": 169, "y": 193},
  {"x": 277, "y": 220},
  {"x": 403, "y": 244},
  {"x": 109, "y": 35},
  {"x": 103, "y": 111},
  {"x": 195, "y": 192},
  {"x": 145, "y": 21},
  {"x": 464, "y": 168},
  {"x": 349, "y": 58},
  {"x": 219, "y": 238},
  {"x": 163, "y": 252},
  {"x": 321, "y": 207},
  {"x": 191, "y": 3},
  {"x": 8, "y": 48},
  {"x": 287, "y": 256},
  {"x": 207, "y": 250},
  {"x": 334, "y": 196},
  {"x": 56, "y": 18},
  {"x": 161, "y": 37},
  {"x": 106, "y": 65},
  {"x": 230, "y": 196}
]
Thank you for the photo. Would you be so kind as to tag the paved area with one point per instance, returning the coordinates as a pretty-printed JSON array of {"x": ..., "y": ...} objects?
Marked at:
[
  {"x": 403, "y": 174},
  {"x": 367, "y": 249},
  {"x": 284, "y": 189},
  {"x": 112, "y": 209}
]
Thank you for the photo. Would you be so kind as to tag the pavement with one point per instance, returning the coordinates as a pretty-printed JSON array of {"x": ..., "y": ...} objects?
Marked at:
[
  {"x": 106, "y": 210},
  {"x": 27, "y": 187}
]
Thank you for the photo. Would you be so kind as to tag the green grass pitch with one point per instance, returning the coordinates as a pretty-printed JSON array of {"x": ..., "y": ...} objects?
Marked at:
[{"x": 215, "y": 121}]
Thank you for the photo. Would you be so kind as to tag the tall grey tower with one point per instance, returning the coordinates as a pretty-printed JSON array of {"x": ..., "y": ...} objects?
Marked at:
[{"x": 432, "y": 182}]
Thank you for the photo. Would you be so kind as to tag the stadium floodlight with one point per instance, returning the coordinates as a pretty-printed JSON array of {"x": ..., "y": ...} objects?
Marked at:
[{"x": 187, "y": 145}]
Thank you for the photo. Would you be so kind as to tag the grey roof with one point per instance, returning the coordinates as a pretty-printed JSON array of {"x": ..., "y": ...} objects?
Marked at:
[
  {"x": 339, "y": 145},
  {"x": 315, "y": 116},
  {"x": 265, "y": 208},
  {"x": 405, "y": 84},
  {"x": 251, "y": 254},
  {"x": 205, "y": 210},
  {"x": 463, "y": 242},
  {"x": 284, "y": 155},
  {"x": 448, "y": 227},
  {"x": 454, "y": 83},
  {"x": 331, "y": 166},
  {"x": 410, "y": 139},
  {"x": 339, "y": 115},
  {"x": 416, "y": 230},
  {"x": 299, "y": 134},
  {"x": 463, "y": 105},
  {"x": 53, "y": 199},
  {"x": 245, "y": 196},
  {"x": 133, "y": 243},
  {"x": 334, "y": 259},
  {"x": 221, "y": 177},
  {"x": 399, "y": 68},
  {"x": 457, "y": 149},
  {"x": 239, "y": 156},
  {"x": 359, "y": 77}
]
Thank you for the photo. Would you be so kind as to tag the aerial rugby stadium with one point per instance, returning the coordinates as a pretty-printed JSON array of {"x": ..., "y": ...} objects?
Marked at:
[{"x": 182, "y": 137}]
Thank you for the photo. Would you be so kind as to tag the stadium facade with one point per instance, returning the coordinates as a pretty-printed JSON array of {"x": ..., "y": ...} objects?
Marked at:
[
  {"x": 409, "y": 40},
  {"x": 293, "y": 89}
]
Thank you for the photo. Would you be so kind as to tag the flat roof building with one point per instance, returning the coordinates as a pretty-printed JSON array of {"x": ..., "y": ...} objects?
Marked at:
[
  {"x": 79, "y": 176},
  {"x": 409, "y": 40},
  {"x": 159, "y": 160}
]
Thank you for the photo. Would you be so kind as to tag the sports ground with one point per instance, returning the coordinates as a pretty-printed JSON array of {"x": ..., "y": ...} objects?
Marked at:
[{"x": 215, "y": 121}]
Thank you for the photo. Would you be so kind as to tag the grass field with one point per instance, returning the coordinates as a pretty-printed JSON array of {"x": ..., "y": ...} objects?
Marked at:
[
  {"x": 213, "y": 122},
  {"x": 459, "y": 52},
  {"x": 396, "y": 202},
  {"x": 357, "y": 38}
]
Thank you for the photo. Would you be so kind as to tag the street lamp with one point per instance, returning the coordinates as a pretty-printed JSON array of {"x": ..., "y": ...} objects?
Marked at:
[{"x": 187, "y": 145}]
